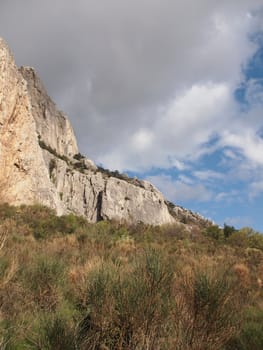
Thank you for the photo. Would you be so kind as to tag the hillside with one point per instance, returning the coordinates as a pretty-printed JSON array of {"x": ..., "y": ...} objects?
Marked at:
[
  {"x": 69, "y": 284},
  {"x": 93, "y": 259},
  {"x": 40, "y": 161}
]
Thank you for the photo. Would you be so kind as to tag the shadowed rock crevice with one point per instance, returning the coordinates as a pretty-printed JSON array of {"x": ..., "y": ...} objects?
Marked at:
[{"x": 99, "y": 206}]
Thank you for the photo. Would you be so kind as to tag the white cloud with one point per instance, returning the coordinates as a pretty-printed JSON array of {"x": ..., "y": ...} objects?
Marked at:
[
  {"x": 177, "y": 190},
  {"x": 208, "y": 175},
  {"x": 142, "y": 140},
  {"x": 186, "y": 179},
  {"x": 254, "y": 92},
  {"x": 180, "y": 131},
  {"x": 232, "y": 196},
  {"x": 149, "y": 83},
  {"x": 230, "y": 153},
  {"x": 246, "y": 141},
  {"x": 160, "y": 73},
  {"x": 256, "y": 189}
]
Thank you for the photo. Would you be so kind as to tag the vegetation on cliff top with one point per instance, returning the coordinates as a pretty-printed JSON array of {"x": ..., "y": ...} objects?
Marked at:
[{"x": 67, "y": 284}]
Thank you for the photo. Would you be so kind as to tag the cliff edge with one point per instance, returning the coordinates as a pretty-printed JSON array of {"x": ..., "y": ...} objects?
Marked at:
[{"x": 40, "y": 161}]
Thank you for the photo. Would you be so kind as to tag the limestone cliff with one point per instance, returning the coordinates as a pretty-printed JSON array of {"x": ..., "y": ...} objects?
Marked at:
[
  {"x": 40, "y": 161},
  {"x": 52, "y": 126},
  {"x": 24, "y": 176}
]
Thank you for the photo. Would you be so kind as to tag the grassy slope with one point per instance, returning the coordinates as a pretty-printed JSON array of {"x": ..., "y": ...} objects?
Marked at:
[{"x": 66, "y": 284}]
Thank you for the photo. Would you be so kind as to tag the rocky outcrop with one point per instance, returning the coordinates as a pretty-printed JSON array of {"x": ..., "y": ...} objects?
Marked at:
[
  {"x": 52, "y": 125},
  {"x": 188, "y": 217},
  {"x": 40, "y": 161},
  {"x": 23, "y": 174}
]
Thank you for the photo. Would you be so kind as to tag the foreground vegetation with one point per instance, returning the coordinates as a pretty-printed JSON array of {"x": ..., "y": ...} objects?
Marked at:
[{"x": 66, "y": 284}]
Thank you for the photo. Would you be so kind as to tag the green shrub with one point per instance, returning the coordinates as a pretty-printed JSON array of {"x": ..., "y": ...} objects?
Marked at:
[
  {"x": 51, "y": 150},
  {"x": 78, "y": 156},
  {"x": 251, "y": 336},
  {"x": 80, "y": 166},
  {"x": 246, "y": 238},
  {"x": 40, "y": 219},
  {"x": 7, "y": 211},
  {"x": 45, "y": 223},
  {"x": 42, "y": 279},
  {"x": 128, "y": 309},
  {"x": 99, "y": 287},
  {"x": 208, "y": 310},
  {"x": 238, "y": 239},
  {"x": 228, "y": 230},
  {"x": 70, "y": 223},
  {"x": 53, "y": 333},
  {"x": 256, "y": 241},
  {"x": 214, "y": 232}
]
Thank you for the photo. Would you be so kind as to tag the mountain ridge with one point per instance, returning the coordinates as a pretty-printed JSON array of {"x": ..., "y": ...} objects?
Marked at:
[{"x": 40, "y": 161}]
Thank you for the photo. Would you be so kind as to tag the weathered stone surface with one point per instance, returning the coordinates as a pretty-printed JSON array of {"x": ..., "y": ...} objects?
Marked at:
[
  {"x": 37, "y": 163},
  {"x": 188, "y": 217},
  {"x": 40, "y": 161},
  {"x": 23, "y": 175},
  {"x": 89, "y": 164},
  {"x": 52, "y": 125},
  {"x": 134, "y": 203}
]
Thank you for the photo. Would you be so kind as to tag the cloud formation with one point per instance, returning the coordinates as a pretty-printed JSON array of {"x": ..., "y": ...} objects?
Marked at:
[
  {"x": 181, "y": 190},
  {"x": 153, "y": 84},
  {"x": 120, "y": 67}
]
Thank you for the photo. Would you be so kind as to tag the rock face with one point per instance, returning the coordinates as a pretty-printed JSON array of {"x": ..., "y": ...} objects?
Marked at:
[
  {"x": 23, "y": 173},
  {"x": 40, "y": 161},
  {"x": 188, "y": 217},
  {"x": 52, "y": 125}
]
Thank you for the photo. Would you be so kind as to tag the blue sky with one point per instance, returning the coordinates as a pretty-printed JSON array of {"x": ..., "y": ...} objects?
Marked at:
[
  {"x": 166, "y": 90},
  {"x": 221, "y": 185}
]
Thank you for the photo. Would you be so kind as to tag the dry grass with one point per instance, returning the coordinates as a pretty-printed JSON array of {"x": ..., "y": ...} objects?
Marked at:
[{"x": 115, "y": 286}]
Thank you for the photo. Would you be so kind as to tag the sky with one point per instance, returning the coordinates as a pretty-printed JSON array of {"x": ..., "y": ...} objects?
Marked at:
[{"x": 166, "y": 90}]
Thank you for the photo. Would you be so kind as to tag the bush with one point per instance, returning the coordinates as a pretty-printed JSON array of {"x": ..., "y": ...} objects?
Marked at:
[
  {"x": 246, "y": 238},
  {"x": 128, "y": 309},
  {"x": 45, "y": 223},
  {"x": 40, "y": 219},
  {"x": 68, "y": 224},
  {"x": 115, "y": 286},
  {"x": 256, "y": 241},
  {"x": 238, "y": 239},
  {"x": 214, "y": 232},
  {"x": 251, "y": 336},
  {"x": 53, "y": 333},
  {"x": 78, "y": 156},
  {"x": 7, "y": 211},
  {"x": 208, "y": 310},
  {"x": 42, "y": 279},
  {"x": 228, "y": 230}
]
